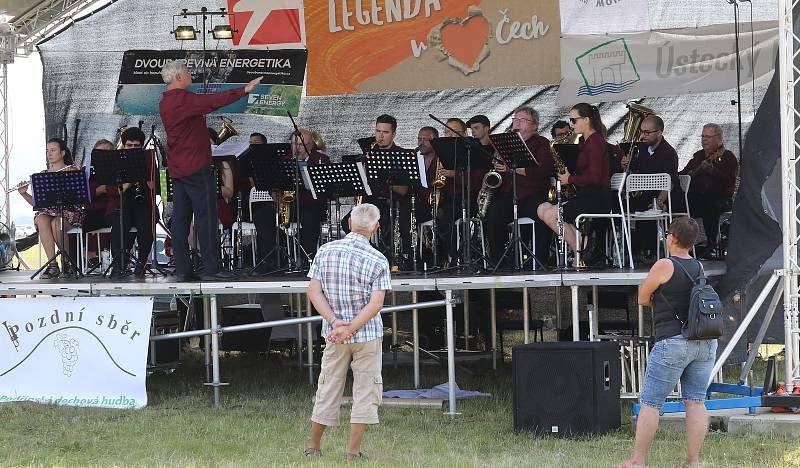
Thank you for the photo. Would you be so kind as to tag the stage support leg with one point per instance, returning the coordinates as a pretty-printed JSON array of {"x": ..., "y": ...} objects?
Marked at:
[
  {"x": 762, "y": 332},
  {"x": 394, "y": 330},
  {"x": 576, "y": 320},
  {"x": 207, "y": 338},
  {"x": 451, "y": 355},
  {"x": 526, "y": 319},
  {"x": 493, "y": 322},
  {"x": 415, "y": 338},
  {"x": 466, "y": 319},
  {"x": 215, "y": 350},
  {"x": 595, "y": 324},
  {"x": 294, "y": 311},
  {"x": 558, "y": 308},
  {"x": 310, "y": 347}
]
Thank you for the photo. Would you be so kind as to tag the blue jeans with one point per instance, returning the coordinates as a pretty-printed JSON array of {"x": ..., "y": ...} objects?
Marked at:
[{"x": 678, "y": 359}]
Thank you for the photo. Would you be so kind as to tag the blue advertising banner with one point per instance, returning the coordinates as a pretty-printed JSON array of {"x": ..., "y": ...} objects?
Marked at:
[{"x": 141, "y": 86}]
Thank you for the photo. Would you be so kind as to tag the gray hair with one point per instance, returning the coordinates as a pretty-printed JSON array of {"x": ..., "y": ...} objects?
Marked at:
[
  {"x": 170, "y": 70},
  {"x": 530, "y": 111},
  {"x": 103, "y": 141},
  {"x": 364, "y": 217},
  {"x": 717, "y": 129}
]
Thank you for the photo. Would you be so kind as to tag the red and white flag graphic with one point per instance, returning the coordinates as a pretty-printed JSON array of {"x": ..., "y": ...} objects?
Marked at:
[{"x": 268, "y": 22}]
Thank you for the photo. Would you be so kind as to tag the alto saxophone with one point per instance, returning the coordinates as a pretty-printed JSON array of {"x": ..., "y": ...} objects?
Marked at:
[
  {"x": 491, "y": 181},
  {"x": 284, "y": 202},
  {"x": 437, "y": 185},
  {"x": 567, "y": 190}
]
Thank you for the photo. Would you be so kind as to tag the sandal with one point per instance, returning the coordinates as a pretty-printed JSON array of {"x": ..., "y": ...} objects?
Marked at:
[
  {"x": 356, "y": 456},
  {"x": 312, "y": 452},
  {"x": 51, "y": 272}
]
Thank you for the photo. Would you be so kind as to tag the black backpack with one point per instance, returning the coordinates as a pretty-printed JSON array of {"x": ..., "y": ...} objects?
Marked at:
[{"x": 704, "y": 317}]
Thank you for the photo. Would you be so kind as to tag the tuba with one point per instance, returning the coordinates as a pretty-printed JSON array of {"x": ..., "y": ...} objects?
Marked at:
[
  {"x": 633, "y": 134},
  {"x": 567, "y": 190}
]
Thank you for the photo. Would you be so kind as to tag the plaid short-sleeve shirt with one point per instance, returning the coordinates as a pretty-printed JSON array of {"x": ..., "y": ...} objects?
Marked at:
[{"x": 349, "y": 270}]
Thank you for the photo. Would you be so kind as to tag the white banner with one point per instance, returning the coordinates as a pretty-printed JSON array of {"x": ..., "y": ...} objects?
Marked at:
[
  {"x": 619, "y": 67},
  {"x": 603, "y": 16},
  {"x": 75, "y": 351}
]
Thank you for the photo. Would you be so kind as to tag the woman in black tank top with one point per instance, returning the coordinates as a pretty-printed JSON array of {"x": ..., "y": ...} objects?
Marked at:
[{"x": 667, "y": 290}]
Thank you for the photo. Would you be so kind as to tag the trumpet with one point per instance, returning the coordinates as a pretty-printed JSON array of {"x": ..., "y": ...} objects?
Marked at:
[{"x": 25, "y": 183}]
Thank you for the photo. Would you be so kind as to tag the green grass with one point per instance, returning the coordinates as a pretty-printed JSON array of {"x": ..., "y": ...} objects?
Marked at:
[{"x": 264, "y": 422}]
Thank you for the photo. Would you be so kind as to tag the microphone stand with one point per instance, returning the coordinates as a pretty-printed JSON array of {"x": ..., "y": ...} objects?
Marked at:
[
  {"x": 297, "y": 196},
  {"x": 738, "y": 73}
]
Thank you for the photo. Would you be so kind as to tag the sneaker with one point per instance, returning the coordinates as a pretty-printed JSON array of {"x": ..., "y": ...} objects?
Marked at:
[{"x": 796, "y": 389}]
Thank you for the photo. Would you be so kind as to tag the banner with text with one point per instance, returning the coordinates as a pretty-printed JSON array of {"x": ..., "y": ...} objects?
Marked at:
[
  {"x": 265, "y": 23},
  {"x": 75, "y": 351},
  {"x": 141, "y": 86},
  {"x": 603, "y": 16},
  {"x": 405, "y": 45},
  {"x": 619, "y": 67}
]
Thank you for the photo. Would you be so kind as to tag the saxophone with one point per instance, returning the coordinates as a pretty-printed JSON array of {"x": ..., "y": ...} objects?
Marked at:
[
  {"x": 284, "y": 203},
  {"x": 437, "y": 185},
  {"x": 567, "y": 190},
  {"x": 491, "y": 181}
]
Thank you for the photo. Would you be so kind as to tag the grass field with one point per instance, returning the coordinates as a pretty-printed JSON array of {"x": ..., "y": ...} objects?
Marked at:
[{"x": 264, "y": 422}]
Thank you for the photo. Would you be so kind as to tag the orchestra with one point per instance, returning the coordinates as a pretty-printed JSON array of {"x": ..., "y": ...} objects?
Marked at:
[{"x": 290, "y": 224}]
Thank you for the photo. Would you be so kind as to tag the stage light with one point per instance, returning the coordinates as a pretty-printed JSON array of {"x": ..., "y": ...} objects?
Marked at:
[
  {"x": 185, "y": 33},
  {"x": 222, "y": 31}
]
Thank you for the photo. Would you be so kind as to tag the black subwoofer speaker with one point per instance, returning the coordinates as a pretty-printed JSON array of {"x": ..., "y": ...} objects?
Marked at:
[{"x": 566, "y": 388}]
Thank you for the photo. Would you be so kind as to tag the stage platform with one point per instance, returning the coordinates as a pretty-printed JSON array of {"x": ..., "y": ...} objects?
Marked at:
[{"x": 19, "y": 282}]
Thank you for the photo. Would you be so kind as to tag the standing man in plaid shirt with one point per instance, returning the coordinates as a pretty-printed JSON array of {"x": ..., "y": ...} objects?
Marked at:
[{"x": 349, "y": 280}]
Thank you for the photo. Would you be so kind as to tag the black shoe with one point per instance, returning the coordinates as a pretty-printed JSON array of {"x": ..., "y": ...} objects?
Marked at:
[
  {"x": 188, "y": 278},
  {"x": 219, "y": 276}
]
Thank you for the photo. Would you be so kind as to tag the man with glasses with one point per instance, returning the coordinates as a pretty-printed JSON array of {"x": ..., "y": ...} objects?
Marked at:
[
  {"x": 654, "y": 156},
  {"x": 532, "y": 185},
  {"x": 714, "y": 170}
]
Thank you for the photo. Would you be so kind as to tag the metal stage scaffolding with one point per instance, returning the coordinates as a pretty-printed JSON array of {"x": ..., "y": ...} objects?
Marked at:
[{"x": 17, "y": 283}]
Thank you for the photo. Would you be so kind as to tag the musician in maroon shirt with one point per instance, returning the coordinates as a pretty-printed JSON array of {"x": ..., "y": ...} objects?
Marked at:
[
  {"x": 183, "y": 114},
  {"x": 592, "y": 181},
  {"x": 713, "y": 170},
  {"x": 532, "y": 185}
]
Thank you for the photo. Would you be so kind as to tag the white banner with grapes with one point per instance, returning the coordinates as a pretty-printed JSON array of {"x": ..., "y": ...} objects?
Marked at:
[{"x": 75, "y": 351}]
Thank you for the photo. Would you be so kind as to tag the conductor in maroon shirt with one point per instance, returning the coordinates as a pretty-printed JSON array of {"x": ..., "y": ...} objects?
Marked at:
[{"x": 183, "y": 114}]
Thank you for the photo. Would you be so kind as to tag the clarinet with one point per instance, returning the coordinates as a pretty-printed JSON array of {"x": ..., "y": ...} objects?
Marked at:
[
  {"x": 396, "y": 234},
  {"x": 560, "y": 219},
  {"x": 414, "y": 232},
  {"x": 238, "y": 240}
]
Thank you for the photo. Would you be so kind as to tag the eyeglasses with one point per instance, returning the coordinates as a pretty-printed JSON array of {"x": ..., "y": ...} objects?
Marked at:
[
  {"x": 521, "y": 119},
  {"x": 575, "y": 119},
  {"x": 648, "y": 132}
]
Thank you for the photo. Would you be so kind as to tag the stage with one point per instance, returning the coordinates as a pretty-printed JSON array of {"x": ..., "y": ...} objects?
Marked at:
[{"x": 18, "y": 283}]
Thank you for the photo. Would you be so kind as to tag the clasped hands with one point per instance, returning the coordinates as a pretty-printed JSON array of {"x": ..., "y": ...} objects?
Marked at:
[{"x": 341, "y": 331}]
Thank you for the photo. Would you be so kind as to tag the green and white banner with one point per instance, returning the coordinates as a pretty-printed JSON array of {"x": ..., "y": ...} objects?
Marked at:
[
  {"x": 75, "y": 351},
  {"x": 619, "y": 67}
]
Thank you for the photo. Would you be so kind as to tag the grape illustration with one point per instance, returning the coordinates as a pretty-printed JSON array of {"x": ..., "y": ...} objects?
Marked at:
[{"x": 68, "y": 348}]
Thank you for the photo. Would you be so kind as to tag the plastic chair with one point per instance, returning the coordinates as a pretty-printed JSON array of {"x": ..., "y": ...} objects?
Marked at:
[
  {"x": 648, "y": 182},
  {"x": 249, "y": 229},
  {"x": 617, "y": 184}
]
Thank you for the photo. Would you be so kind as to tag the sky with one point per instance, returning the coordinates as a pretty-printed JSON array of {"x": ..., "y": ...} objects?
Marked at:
[{"x": 26, "y": 128}]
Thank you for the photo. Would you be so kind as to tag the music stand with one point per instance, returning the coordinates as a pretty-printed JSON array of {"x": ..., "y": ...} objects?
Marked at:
[
  {"x": 59, "y": 191},
  {"x": 514, "y": 153},
  {"x": 393, "y": 167},
  {"x": 118, "y": 167},
  {"x": 337, "y": 180},
  {"x": 456, "y": 153}
]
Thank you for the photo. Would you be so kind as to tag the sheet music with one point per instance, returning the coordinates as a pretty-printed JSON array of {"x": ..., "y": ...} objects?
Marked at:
[
  {"x": 423, "y": 178},
  {"x": 307, "y": 181},
  {"x": 230, "y": 148}
]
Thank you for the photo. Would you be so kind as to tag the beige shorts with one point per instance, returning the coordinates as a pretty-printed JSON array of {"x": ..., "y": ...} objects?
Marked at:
[{"x": 365, "y": 359}]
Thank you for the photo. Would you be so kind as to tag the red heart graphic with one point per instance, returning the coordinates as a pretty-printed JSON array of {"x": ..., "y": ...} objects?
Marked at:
[{"x": 465, "y": 41}]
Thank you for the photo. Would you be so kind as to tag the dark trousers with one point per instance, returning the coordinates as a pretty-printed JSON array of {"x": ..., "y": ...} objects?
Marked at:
[
  {"x": 195, "y": 194},
  {"x": 501, "y": 213},
  {"x": 263, "y": 216},
  {"x": 450, "y": 211},
  {"x": 311, "y": 217},
  {"x": 709, "y": 208},
  {"x": 138, "y": 214}
]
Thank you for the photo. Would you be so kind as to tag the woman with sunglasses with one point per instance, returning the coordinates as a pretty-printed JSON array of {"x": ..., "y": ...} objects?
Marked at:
[
  {"x": 592, "y": 181},
  {"x": 48, "y": 221}
]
